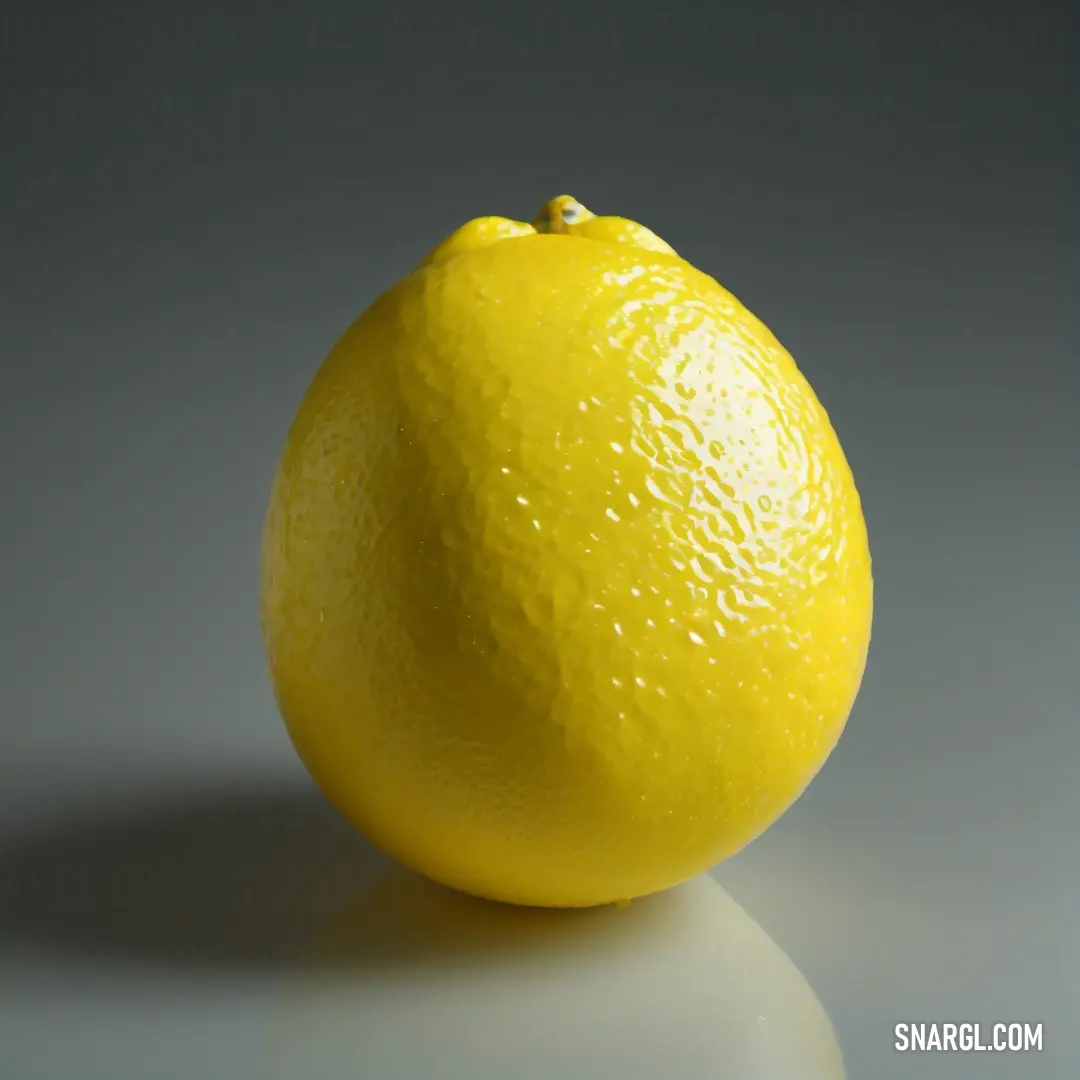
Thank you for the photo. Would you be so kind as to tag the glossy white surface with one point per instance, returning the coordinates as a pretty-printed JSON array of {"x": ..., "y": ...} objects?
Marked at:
[{"x": 214, "y": 926}]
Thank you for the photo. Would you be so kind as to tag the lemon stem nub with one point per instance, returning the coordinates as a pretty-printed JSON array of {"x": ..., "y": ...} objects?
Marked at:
[{"x": 556, "y": 215}]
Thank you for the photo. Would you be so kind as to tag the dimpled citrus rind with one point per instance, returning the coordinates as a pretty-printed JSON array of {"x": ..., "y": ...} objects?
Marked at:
[{"x": 566, "y": 584}]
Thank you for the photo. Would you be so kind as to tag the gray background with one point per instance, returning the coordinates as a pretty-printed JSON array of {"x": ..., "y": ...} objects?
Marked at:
[{"x": 193, "y": 207}]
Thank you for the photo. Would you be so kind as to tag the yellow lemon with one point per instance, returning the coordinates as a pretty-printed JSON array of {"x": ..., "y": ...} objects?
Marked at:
[{"x": 566, "y": 589}]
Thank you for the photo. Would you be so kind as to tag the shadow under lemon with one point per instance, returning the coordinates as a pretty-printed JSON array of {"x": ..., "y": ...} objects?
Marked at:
[{"x": 411, "y": 980}]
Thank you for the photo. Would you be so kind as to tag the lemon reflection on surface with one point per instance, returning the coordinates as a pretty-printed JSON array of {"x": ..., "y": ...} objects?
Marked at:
[{"x": 412, "y": 981}]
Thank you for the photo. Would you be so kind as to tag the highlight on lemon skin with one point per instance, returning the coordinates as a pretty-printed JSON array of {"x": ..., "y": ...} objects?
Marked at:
[{"x": 566, "y": 587}]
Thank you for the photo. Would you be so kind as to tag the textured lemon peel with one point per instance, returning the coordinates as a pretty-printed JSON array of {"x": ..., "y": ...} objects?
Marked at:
[{"x": 566, "y": 588}]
